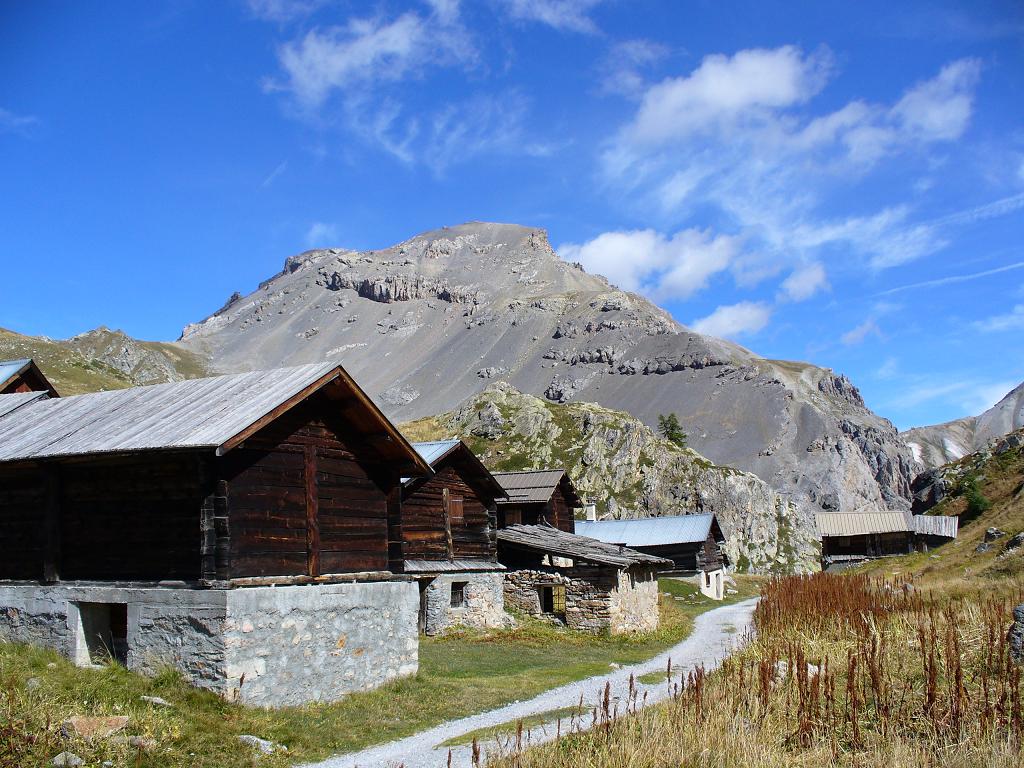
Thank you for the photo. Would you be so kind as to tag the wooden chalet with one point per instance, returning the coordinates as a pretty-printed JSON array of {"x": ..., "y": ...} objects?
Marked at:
[
  {"x": 536, "y": 496},
  {"x": 23, "y": 376},
  {"x": 448, "y": 524},
  {"x": 694, "y": 543},
  {"x": 587, "y": 584},
  {"x": 849, "y": 538},
  {"x": 287, "y": 477}
]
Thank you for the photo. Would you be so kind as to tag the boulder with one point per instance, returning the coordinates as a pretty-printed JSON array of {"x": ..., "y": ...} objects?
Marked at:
[
  {"x": 1016, "y": 635},
  {"x": 67, "y": 759},
  {"x": 991, "y": 534},
  {"x": 93, "y": 727}
]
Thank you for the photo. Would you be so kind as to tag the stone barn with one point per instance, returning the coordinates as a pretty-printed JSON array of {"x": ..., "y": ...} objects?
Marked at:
[
  {"x": 449, "y": 521},
  {"x": 849, "y": 538},
  {"x": 692, "y": 542},
  {"x": 536, "y": 496},
  {"x": 584, "y": 583},
  {"x": 244, "y": 529}
]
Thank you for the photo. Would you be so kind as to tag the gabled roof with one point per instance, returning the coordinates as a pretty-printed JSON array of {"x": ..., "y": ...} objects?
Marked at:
[
  {"x": 215, "y": 413},
  {"x": 437, "y": 451},
  {"x": 652, "y": 531},
  {"x": 15, "y": 400},
  {"x": 546, "y": 539},
  {"x": 24, "y": 369},
  {"x": 535, "y": 486},
  {"x": 862, "y": 523}
]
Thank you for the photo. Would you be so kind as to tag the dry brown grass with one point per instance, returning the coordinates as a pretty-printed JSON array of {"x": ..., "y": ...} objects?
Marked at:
[{"x": 845, "y": 670}]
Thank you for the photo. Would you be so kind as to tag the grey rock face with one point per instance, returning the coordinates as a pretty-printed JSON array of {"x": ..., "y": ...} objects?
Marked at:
[
  {"x": 1016, "y": 636},
  {"x": 436, "y": 314},
  {"x": 942, "y": 443}
]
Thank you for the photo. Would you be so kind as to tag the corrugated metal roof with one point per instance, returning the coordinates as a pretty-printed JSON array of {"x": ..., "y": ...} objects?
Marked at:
[
  {"x": 649, "y": 531},
  {"x": 451, "y": 566},
  {"x": 199, "y": 413},
  {"x": 552, "y": 541},
  {"x": 15, "y": 400},
  {"x": 535, "y": 485},
  {"x": 10, "y": 368},
  {"x": 937, "y": 525},
  {"x": 436, "y": 449},
  {"x": 862, "y": 523}
]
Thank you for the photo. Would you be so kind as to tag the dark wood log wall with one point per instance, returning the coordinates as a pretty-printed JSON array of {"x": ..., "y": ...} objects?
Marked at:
[
  {"x": 425, "y": 511},
  {"x": 22, "y": 497},
  {"x": 301, "y": 502},
  {"x": 559, "y": 511}
]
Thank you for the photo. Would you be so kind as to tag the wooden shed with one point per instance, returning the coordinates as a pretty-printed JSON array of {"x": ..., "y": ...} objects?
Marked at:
[
  {"x": 23, "y": 376},
  {"x": 848, "y": 538},
  {"x": 536, "y": 496},
  {"x": 448, "y": 526},
  {"x": 587, "y": 584},
  {"x": 694, "y": 543},
  {"x": 290, "y": 476}
]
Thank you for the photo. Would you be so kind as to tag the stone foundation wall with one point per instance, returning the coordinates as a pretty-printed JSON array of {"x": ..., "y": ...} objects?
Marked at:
[
  {"x": 293, "y": 644},
  {"x": 483, "y": 608},
  {"x": 635, "y": 602}
]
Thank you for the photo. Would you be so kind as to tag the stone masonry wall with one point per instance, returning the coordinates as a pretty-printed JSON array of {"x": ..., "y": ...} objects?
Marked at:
[
  {"x": 293, "y": 644},
  {"x": 484, "y": 605},
  {"x": 587, "y": 595},
  {"x": 302, "y": 644},
  {"x": 634, "y": 602}
]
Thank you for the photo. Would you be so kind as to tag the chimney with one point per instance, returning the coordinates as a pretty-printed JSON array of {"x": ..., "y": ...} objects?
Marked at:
[{"x": 590, "y": 510}]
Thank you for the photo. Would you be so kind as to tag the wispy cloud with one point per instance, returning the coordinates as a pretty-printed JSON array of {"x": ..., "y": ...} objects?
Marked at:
[
  {"x": 940, "y": 281},
  {"x": 860, "y": 333},
  {"x": 803, "y": 283},
  {"x": 565, "y": 15},
  {"x": 283, "y": 10},
  {"x": 321, "y": 234},
  {"x": 272, "y": 176},
  {"x": 1008, "y": 321},
  {"x": 11, "y": 122}
]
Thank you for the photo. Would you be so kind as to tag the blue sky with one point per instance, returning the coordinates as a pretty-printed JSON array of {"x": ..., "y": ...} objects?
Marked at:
[{"x": 841, "y": 183}]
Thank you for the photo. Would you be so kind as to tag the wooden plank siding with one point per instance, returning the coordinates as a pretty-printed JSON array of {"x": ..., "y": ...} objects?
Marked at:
[
  {"x": 429, "y": 529},
  {"x": 300, "y": 502}
]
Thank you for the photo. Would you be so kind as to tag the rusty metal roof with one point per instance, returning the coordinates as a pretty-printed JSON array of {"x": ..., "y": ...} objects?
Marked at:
[{"x": 549, "y": 540}]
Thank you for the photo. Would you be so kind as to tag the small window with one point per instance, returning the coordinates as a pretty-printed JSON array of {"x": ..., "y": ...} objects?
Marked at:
[
  {"x": 707, "y": 579},
  {"x": 455, "y": 513},
  {"x": 105, "y": 631},
  {"x": 552, "y": 599},
  {"x": 459, "y": 594}
]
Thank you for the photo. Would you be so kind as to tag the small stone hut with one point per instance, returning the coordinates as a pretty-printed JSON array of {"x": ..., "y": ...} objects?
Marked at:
[
  {"x": 449, "y": 521},
  {"x": 849, "y": 538},
  {"x": 586, "y": 584},
  {"x": 244, "y": 529},
  {"x": 692, "y": 542},
  {"x": 536, "y": 496}
]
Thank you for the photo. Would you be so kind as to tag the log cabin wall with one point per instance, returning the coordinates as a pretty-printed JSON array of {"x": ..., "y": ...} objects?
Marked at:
[
  {"x": 711, "y": 557},
  {"x": 22, "y": 496},
  {"x": 559, "y": 511},
  {"x": 303, "y": 500},
  {"x": 429, "y": 532}
]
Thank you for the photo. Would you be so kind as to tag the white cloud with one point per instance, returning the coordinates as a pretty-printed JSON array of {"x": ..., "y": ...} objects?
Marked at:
[
  {"x": 272, "y": 176},
  {"x": 321, "y": 235},
  {"x": 647, "y": 261},
  {"x": 857, "y": 335},
  {"x": 15, "y": 123},
  {"x": 734, "y": 320},
  {"x": 283, "y": 10},
  {"x": 726, "y": 89},
  {"x": 1008, "y": 321},
  {"x": 803, "y": 283},
  {"x": 981, "y": 397},
  {"x": 734, "y": 135},
  {"x": 621, "y": 69},
  {"x": 566, "y": 15}
]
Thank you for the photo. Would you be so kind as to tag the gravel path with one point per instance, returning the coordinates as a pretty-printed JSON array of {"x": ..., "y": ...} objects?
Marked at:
[{"x": 715, "y": 634}]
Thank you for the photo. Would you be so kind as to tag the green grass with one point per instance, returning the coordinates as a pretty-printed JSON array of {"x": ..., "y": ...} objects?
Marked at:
[{"x": 460, "y": 674}]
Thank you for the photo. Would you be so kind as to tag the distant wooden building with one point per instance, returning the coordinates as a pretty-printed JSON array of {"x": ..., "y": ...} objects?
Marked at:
[
  {"x": 694, "y": 543},
  {"x": 23, "y": 376},
  {"x": 536, "y": 496},
  {"x": 849, "y": 538},
  {"x": 448, "y": 524},
  {"x": 587, "y": 584},
  {"x": 151, "y": 523}
]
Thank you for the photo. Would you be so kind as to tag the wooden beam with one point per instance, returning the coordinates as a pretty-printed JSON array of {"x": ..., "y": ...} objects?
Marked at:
[
  {"x": 446, "y": 503},
  {"x": 51, "y": 525},
  {"x": 312, "y": 514}
]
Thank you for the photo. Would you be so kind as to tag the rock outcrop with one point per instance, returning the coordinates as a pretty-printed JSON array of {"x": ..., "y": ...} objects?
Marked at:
[
  {"x": 628, "y": 470},
  {"x": 430, "y": 322}
]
